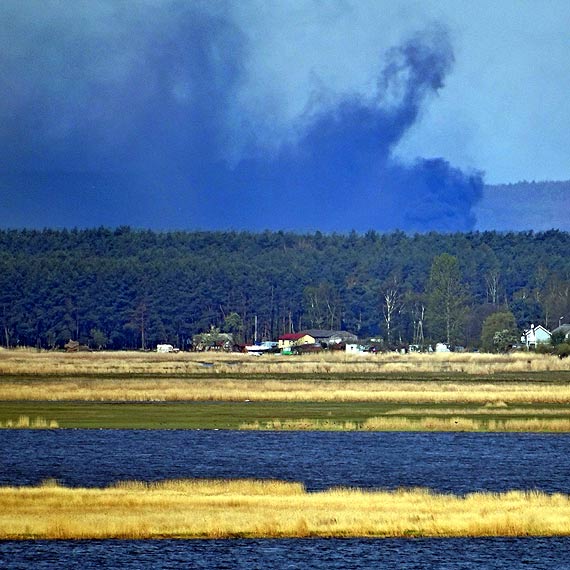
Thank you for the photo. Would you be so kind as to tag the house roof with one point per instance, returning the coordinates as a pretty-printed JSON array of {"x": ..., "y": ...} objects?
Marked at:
[
  {"x": 534, "y": 329},
  {"x": 291, "y": 336},
  {"x": 318, "y": 333},
  {"x": 562, "y": 329}
]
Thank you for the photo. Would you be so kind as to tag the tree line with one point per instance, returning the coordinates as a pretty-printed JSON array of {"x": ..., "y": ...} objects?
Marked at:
[{"x": 125, "y": 288}]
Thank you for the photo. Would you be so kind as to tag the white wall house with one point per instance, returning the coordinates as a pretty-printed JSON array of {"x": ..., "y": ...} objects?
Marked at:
[{"x": 535, "y": 336}]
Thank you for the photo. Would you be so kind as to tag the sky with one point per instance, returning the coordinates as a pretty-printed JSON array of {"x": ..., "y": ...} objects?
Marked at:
[{"x": 298, "y": 115}]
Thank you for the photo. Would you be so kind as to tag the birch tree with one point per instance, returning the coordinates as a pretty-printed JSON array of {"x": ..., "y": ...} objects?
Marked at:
[{"x": 392, "y": 304}]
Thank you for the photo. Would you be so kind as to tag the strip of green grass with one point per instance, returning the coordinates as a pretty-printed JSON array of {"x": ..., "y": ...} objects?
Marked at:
[
  {"x": 226, "y": 415},
  {"x": 186, "y": 415}
]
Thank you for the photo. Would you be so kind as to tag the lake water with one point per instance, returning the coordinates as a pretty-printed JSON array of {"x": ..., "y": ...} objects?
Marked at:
[
  {"x": 322, "y": 554},
  {"x": 447, "y": 462}
]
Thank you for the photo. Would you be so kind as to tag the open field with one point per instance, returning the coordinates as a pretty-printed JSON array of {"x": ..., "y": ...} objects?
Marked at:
[
  {"x": 416, "y": 390},
  {"x": 267, "y": 509},
  {"x": 28, "y": 362},
  {"x": 330, "y": 391},
  {"x": 321, "y": 416}
]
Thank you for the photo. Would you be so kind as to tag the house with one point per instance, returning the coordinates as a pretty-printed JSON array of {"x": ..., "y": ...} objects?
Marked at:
[
  {"x": 316, "y": 338},
  {"x": 213, "y": 340},
  {"x": 535, "y": 336},
  {"x": 326, "y": 338},
  {"x": 564, "y": 329},
  {"x": 288, "y": 340}
]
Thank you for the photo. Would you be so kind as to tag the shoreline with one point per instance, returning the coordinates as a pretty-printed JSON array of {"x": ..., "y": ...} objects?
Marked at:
[{"x": 284, "y": 416}]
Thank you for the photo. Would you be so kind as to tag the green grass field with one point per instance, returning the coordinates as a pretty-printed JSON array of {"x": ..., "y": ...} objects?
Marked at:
[
  {"x": 233, "y": 415},
  {"x": 467, "y": 392}
]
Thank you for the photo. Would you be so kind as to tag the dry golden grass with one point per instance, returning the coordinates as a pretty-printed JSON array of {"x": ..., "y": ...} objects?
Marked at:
[
  {"x": 223, "y": 509},
  {"x": 29, "y": 362},
  {"x": 429, "y": 423},
  {"x": 25, "y": 422},
  {"x": 286, "y": 390},
  {"x": 300, "y": 425},
  {"x": 487, "y": 410},
  {"x": 148, "y": 377}
]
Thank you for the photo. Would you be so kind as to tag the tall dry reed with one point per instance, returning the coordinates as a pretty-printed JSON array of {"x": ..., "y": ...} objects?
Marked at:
[
  {"x": 25, "y": 422},
  {"x": 26, "y": 362},
  {"x": 230, "y": 509},
  {"x": 238, "y": 389},
  {"x": 428, "y": 423}
]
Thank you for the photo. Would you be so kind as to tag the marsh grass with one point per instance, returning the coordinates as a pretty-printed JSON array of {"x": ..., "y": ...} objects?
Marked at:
[
  {"x": 225, "y": 509},
  {"x": 445, "y": 392},
  {"x": 480, "y": 411},
  {"x": 25, "y": 422},
  {"x": 330, "y": 416},
  {"x": 44, "y": 363},
  {"x": 478, "y": 379},
  {"x": 300, "y": 425},
  {"x": 429, "y": 423}
]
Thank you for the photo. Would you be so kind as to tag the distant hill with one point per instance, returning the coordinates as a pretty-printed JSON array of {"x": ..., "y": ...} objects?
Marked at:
[{"x": 524, "y": 206}]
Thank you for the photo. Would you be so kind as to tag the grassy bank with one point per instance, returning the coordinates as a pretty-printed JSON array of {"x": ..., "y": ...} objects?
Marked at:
[
  {"x": 267, "y": 509},
  {"x": 336, "y": 416},
  {"x": 474, "y": 392},
  {"x": 429, "y": 423}
]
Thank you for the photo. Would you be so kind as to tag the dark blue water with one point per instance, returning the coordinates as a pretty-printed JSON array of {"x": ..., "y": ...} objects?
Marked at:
[
  {"x": 446, "y": 462},
  {"x": 322, "y": 554}
]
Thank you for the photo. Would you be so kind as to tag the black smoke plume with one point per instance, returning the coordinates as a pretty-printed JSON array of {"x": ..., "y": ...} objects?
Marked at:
[{"x": 125, "y": 114}]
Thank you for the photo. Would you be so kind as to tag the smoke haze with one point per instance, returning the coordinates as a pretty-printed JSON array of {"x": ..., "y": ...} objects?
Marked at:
[{"x": 133, "y": 113}]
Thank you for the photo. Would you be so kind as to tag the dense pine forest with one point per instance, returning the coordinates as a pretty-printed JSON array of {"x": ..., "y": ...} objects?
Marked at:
[{"x": 126, "y": 288}]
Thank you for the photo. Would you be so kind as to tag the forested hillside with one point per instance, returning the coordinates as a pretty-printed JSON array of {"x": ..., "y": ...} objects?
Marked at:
[
  {"x": 123, "y": 288},
  {"x": 539, "y": 206}
]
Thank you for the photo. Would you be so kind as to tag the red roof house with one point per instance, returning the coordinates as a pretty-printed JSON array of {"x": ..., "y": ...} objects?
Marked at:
[{"x": 289, "y": 339}]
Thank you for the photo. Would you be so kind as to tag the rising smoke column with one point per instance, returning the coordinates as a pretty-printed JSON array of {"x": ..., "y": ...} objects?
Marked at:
[{"x": 340, "y": 174}]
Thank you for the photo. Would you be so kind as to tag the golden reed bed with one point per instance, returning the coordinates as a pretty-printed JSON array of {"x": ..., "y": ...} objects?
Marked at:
[
  {"x": 332, "y": 377},
  {"x": 428, "y": 423},
  {"x": 240, "y": 389},
  {"x": 268, "y": 509},
  {"x": 31, "y": 362},
  {"x": 386, "y": 423},
  {"x": 25, "y": 422}
]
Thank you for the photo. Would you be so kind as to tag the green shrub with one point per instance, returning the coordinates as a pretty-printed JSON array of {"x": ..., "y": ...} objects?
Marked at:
[
  {"x": 557, "y": 338},
  {"x": 543, "y": 348},
  {"x": 563, "y": 350}
]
